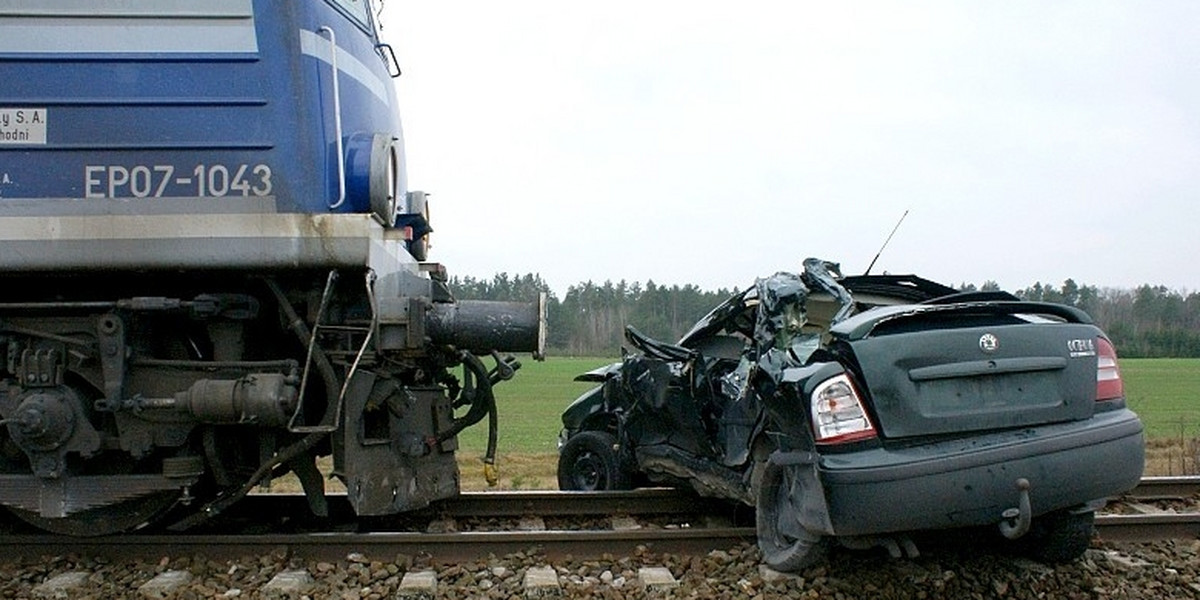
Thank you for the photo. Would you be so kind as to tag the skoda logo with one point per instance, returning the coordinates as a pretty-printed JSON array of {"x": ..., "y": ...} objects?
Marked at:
[{"x": 988, "y": 342}]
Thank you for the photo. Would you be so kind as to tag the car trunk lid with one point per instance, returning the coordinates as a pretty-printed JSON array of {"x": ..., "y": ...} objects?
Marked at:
[{"x": 932, "y": 370}]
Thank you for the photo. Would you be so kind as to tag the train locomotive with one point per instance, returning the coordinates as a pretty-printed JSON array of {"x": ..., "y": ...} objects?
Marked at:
[{"x": 212, "y": 273}]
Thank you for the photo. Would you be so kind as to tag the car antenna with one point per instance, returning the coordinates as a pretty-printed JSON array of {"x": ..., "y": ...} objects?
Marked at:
[{"x": 885, "y": 242}]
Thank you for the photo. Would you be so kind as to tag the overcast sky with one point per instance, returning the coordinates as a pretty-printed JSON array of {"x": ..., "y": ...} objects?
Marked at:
[{"x": 716, "y": 142}]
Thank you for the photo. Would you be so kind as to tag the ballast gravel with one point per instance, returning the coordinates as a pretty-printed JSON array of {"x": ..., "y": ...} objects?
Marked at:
[{"x": 1169, "y": 569}]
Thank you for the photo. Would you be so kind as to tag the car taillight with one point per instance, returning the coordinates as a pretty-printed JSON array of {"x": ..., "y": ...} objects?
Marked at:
[
  {"x": 1108, "y": 374},
  {"x": 838, "y": 414}
]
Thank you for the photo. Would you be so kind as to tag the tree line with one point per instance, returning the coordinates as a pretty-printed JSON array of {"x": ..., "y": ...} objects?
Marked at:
[{"x": 590, "y": 319}]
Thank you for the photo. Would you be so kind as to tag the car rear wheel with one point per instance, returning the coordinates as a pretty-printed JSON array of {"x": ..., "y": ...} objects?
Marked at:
[
  {"x": 786, "y": 545},
  {"x": 589, "y": 462},
  {"x": 1059, "y": 537}
]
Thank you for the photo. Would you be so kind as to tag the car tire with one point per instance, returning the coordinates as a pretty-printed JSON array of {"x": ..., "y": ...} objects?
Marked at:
[
  {"x": 589, "y": 462},
  {"x": 786, "y": 545},
  {"x": 1060, "y": 537}
]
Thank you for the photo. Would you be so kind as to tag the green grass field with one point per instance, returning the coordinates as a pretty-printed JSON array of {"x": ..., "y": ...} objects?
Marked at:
[
  {"x": 530, "y": 404},
  {"x": 1164, "y": 392}
]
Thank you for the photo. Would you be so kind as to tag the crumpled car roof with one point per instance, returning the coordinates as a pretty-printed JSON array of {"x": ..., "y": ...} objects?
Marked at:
[{"x": 907, "y": 287}]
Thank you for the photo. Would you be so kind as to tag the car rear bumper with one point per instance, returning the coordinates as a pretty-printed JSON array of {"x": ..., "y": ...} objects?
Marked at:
[{"x": 972, "y": 481}]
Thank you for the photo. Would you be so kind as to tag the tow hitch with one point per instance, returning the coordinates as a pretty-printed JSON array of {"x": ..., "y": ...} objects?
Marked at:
[{"x": 1016, "y": 520}]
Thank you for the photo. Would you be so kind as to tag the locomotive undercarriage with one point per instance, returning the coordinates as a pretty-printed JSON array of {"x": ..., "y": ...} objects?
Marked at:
[{"x": 145, "y": 398}]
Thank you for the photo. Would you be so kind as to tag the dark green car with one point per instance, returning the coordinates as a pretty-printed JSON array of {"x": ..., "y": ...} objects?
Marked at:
[{"x": 860, "y": 409}]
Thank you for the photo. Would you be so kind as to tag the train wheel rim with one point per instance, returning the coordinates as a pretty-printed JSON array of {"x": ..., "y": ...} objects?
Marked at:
[{"x": 119, "y": 517}]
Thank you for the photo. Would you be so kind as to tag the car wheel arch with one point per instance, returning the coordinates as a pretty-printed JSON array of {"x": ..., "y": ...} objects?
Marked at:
[{"x": 787, "y": 544}]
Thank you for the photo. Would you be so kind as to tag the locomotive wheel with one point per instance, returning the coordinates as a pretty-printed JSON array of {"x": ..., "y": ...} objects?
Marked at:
[
  {"x": 115, "y": 506},
  {"x": 119, "y": 517}
]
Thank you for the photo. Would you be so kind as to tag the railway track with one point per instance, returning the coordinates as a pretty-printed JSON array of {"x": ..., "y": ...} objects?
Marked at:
[
  {"x": 551, "y": 523},
  {"x": 1151, "y": 488},
  {"x": 466, "y": 527},
  {"x": 1149, "y": 513}
]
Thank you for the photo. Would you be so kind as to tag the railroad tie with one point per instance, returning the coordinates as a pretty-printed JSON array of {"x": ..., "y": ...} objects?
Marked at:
[
  {"x": 542, "y": 582},
  {"x": 418, "y": 585}
]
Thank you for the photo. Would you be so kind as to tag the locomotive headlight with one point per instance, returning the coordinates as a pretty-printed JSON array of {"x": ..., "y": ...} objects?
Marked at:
[{"x": 373, "y": 168}]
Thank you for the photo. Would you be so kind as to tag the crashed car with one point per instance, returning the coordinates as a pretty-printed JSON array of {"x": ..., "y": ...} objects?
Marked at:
[{"x": 862, "y": 409}]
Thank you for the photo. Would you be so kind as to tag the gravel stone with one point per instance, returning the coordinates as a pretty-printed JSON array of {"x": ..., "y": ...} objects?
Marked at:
[
  {"x": 962, "y": 569},
  {"x": 289, "y": 583},
  {"x": 770, "y": 575},
  {"x": 657, "y": 579},
  {"x": 624, "y": 523},
  {"x": 165, "y": 584},
  {"x": 61, "y": 585},
  {"x": 531, "y": 523},
  {"x": 442, "y": 526},
  {"x": 420, "y": 585}
]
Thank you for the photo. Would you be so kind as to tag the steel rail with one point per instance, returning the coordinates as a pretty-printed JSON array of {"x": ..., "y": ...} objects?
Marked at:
[
  {"x": 552, "y": 503},
  {"x": 450, "y": 547},
  {"x": 646, "y": 501},
  {"x": 441, "y": 547},
  {"x": 639, "y": 501},
  {"x": 1148, "y": 528},
  {"x": 1160, "y": 488}
]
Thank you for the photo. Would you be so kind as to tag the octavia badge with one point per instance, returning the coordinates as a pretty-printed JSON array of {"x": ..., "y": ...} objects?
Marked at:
[{"x": 988, "y": 343}]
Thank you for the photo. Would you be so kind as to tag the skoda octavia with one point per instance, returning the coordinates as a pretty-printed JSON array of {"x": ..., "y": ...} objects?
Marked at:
[{"x": 861, "y": 409}]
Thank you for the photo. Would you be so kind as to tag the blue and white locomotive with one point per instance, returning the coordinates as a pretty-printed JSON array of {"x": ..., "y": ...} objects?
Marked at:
[{"x": 212, "y": 272}]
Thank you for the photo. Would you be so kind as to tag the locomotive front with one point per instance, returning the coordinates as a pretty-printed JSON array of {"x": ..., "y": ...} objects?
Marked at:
[{"x": 211, "y": 271}]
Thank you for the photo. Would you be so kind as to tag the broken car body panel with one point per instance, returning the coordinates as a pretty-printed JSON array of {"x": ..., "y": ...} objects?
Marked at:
[{"x": 868, "y": 406}]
